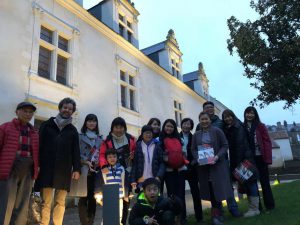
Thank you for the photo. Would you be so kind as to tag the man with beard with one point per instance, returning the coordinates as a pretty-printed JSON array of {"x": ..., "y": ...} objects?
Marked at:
[{"x": 59, "y": 160}]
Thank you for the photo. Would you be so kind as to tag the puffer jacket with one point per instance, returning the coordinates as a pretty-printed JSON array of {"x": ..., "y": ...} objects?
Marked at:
[
  {"x": 9, "y": 145},
  {"x": 158, "y": 165}
]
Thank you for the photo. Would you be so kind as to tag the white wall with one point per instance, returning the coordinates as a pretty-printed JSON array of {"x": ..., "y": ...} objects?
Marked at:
[
  {"x": 95, "y": 73},
  {"x": 285, "y": 148}
]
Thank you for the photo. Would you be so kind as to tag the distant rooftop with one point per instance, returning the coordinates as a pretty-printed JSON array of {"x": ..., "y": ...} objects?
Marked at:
[{"x": 281, "y": 134}]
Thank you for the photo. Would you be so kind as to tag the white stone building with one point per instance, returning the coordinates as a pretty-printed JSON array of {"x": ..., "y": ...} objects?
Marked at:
[{"x": 51, "y": 49}]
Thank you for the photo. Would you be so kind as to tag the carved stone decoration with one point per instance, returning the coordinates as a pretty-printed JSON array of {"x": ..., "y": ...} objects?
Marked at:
[{"x": 171, "y": 38}]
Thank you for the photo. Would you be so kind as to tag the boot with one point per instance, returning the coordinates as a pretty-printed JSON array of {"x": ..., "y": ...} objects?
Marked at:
[
  {"x": 253, "y": 207},
  {"x": 215, "y": 216}
]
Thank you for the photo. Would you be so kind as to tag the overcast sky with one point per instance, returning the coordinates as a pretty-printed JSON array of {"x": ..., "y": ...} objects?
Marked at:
[{"x": 201, "y": 31}]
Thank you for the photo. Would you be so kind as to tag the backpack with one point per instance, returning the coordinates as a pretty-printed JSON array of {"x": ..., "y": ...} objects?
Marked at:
[{"x": 173, "y": 151}]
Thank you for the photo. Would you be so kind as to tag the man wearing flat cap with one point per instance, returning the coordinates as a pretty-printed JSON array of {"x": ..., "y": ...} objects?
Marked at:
[{"x": 19, "y": 146}]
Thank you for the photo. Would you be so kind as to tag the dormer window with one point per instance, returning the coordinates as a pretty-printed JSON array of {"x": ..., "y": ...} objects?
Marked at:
[
  {"x": 175, "y": 68},
  {"x": 125, "y": 28}
]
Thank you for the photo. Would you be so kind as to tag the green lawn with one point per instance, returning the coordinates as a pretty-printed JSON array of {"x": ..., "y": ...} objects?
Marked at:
[{"x": 286, "y": 212}]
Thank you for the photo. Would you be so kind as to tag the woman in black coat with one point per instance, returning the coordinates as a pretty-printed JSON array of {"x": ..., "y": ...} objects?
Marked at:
[{"x": 238, "y": 152}]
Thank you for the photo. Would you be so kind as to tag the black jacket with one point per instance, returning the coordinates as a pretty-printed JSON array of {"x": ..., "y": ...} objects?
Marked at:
[
  {"x": 142, "y": 208},
  {"x": 158, "y": 165},
  {"x": 238, "y": 144},
  {"x": 59, "y": 155}
]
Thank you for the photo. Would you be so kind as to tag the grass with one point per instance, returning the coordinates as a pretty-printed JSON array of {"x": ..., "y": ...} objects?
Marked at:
[{"x": 286, "y": 212}]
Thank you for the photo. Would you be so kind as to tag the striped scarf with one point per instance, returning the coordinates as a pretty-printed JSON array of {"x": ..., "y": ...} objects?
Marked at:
[{"x": 24, "y": 142}]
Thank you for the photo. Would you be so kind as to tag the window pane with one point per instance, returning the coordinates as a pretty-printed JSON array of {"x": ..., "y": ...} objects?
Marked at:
[
  {"x": 175, "y": 104},
  {"x": 63, "y": 43},
  {"x": 131, "y": 80},
  {"x": 44, "y": 62},
  {"x": 172, "y": 61},
  {"x": 132, "y": 102},
  {"x": 121, "y": 17},
  {"x": 173, "y": 70},
  {"x": 123, "y": 96},
  {"x": 179, "y": 106},
  {"x": 121, "y": 30},
  {"x": 61, "y": 73},
  {"x": 176, "y": 117},
  {"x": 122, "y": 75},
  {"x": 128, "y": 24},
  {"x": 129, "y": 36},
  {"x": 177, "y": 73},
  {"x": 46, "y": 34}
]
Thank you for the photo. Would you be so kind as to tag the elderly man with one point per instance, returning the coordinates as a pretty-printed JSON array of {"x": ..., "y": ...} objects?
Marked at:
[{"x": 19, "y": 144}]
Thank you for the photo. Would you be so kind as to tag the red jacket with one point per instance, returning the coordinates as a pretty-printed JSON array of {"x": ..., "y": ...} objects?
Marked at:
[
  {"x": 264, "y": 142},
  {"x": 9, "y": 145},
  {"x": 108, "y": 144}
]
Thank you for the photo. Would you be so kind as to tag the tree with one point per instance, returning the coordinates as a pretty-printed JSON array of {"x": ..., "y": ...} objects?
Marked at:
[{"x": 269, "y": 50}]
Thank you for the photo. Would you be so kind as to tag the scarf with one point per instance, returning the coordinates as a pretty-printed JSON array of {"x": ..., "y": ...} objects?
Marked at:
[
  {"x": 62, "y": 122},
  {"x": 119, "y": 141},
  {"x": 251, "y": 127}
]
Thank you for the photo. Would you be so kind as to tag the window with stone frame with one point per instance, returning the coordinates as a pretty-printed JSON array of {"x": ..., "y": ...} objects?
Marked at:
[
  {"x": 125, "y": 27},
  {"x": 175, "y": 68},
  {"x": 128, "y": 90},
  {"x": 54, "y": 55},
  {"x": 178, "y": 112}
]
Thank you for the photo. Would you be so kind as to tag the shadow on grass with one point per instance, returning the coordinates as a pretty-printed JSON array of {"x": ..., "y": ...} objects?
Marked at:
[{"x": 286, "y": 212}]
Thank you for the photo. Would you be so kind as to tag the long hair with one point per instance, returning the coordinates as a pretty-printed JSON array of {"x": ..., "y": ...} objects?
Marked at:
[
  {"x": 88, "y": 118},
  {"x": 175, "y": 133},
  {"x": 152, "y": 120},
  {"x": 228, "y": 112},
  {"x": 256, "y": 118}
]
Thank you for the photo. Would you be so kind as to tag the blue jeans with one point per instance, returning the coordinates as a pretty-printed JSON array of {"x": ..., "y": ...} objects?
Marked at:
[{"x": 251, "y": 189}]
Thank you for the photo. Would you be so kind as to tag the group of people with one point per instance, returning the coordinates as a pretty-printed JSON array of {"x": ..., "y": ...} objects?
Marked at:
[{"x": 57, "y": 156}]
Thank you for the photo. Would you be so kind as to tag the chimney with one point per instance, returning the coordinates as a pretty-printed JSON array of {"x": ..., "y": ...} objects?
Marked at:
[
  {"x": 79, "y": 2},
  {"x": 279, "y": 124}
]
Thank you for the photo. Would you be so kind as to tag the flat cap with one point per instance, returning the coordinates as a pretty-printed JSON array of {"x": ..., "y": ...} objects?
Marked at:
[{"x": 26, "y": 104}]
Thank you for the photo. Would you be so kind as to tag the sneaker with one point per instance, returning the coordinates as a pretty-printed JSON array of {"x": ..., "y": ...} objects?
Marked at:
[
  {"x": 252, "y": 213},
  {"x": 216, "y": 221}
]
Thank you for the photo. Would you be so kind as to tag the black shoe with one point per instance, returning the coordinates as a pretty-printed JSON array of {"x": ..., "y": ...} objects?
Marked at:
[{"x": 235, "y": 213}]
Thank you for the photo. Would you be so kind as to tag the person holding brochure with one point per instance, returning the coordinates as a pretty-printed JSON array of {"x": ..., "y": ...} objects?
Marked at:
[
  {"x": 213, "y": 177},
  {"x": 241, "y": 157}
]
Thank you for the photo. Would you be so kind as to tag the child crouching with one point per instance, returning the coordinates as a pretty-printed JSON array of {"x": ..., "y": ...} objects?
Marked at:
[{"x": 151, "y": 208}]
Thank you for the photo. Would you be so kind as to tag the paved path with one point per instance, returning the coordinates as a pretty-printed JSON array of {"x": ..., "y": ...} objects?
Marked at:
[{"x": 71, "y": 215}]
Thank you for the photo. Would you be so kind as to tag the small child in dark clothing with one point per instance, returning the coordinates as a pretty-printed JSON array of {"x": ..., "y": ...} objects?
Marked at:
[{"x": 152, "y": 208}]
